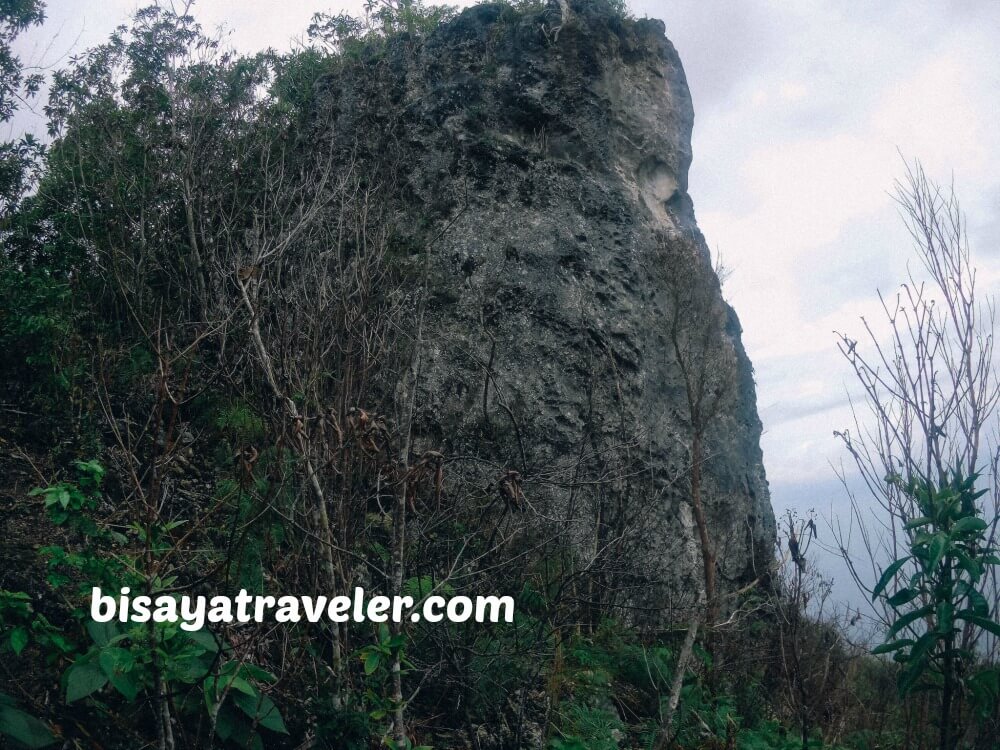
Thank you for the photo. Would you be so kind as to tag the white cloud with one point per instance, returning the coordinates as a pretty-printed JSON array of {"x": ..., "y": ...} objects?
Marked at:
[{"x": 794, "y": 191}]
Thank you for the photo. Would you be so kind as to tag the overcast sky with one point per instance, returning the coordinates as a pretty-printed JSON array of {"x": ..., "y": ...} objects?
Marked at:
[{"x": 801, "y": 111}]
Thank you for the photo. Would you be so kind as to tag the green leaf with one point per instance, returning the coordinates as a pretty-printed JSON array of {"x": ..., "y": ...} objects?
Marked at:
[
  {"x": 887, "y": 648},
  {"x": 18, "y": 639},
  {"x": 985, "y": 687},
  {"x": 888, "y": 575},
  {"x": 237, "y": 683},
  {"x": 909, "y": 677},
  {"x": 248, "y": 704},
  {"x": 189, "y": 668},
  {"x": 979, "y": 604},
  {"x": 917, "y": 522},
  {"x": 226, "y": 722},
  {"x": 252, "y": 670},
  {"x": 371, "y": 661},
  {"x": 24, "y": 728},
  {"x": 907, "y": 619},
  {"x": 903, "y": 596},
  {"x": 117, "y": 664},
  {"x": 924, "y": 644},
  {"x": 970, "y": 523},
  {"x": 262, "y": 710},
  {"x": 115, "y": 660},
  {"x": 203, "y": 638},
  {"x": 102, "y": 632},
  {"x": 985, "y": 623},
  {"x": 974, "y": 569},
  {"x": 126, "y": 683},
  {"x": 937, "y": 549},
  {"x": 82, "y": 679},
  {"x": 91, "y": 467},
  {"x": 418, "y": 587}
]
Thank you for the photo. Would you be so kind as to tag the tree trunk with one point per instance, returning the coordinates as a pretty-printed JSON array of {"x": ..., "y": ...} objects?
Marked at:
[
  {"x": 947, "y": 695},
  {"x": 707, "y": 555},
  {"x": 320, "y": 516},
  {"x": 165, "y": 738},
  {"x": 399, "y": 527},
  {"x": 683, "y": 659}
]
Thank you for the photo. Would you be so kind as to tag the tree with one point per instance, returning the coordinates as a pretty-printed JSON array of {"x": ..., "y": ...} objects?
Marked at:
[
  {"x": 707, "y": 363},
  {"x": 706, "y": 360},
  {"x": 931, "y": 393},
  {"x": 17, "y": 157},
  {"x": 16, "y": 16}
]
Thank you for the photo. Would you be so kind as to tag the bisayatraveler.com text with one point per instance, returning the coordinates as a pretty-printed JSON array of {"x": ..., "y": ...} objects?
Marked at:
[{"x": 193, "y": 612}]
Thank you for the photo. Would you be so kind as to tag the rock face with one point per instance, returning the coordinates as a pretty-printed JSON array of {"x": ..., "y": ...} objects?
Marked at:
[{"x": 547, "y": 159}]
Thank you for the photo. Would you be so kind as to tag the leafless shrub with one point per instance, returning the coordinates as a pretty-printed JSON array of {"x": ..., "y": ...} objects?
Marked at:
[{"x": 930, "y": 390}]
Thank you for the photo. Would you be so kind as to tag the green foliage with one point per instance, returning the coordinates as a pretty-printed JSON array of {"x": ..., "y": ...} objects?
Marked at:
[
  {"x": 376, "y": 661},
  {"x": 240, "y": 424},
  {"x": 588, "y": 727},
  {"x": 950, "y": 555},
  {"x": 413, "y": 17},
  {"x": 770, "y": 735},
  {"x": 20, "y": 166},
  {"x": 21, "y": 625},
  {"x": 233, "y": 694},
  {"x": 16, "y": 16},
  {"x": 37, "y": 336},
  {"x": 18, "y": 158},
  {"x": 419, "y": 587},
  {"x": 72, "y": 503},
  {"x": 615, "y": 654},
  {"x": 348, "y": 35},
  {"x": 22, "y": 728},
  {"x": 15, "y": 609},
  {"x": 340, "y": 728},
  {"x": 617, "y": 8},
  {"x": 942, "y": 599},
  {"x": 132, "y": 659},
  {"x": 612, "y": 667},
  {"x": 614, "y": 674}
]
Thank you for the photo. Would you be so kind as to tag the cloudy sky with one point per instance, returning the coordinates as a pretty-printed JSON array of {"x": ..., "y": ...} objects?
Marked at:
[{"x": 802, "y": 111}]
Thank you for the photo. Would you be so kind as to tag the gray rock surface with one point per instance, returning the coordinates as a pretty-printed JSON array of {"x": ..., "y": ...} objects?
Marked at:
[{"x": 556, "y": 154}]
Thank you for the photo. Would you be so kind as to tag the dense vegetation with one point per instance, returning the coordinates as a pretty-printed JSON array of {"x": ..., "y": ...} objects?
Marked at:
[{"x": 208, "y": 328}]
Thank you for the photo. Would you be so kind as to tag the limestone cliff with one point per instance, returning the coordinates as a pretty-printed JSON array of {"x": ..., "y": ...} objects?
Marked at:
[{"x": 546, "y": 160}]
